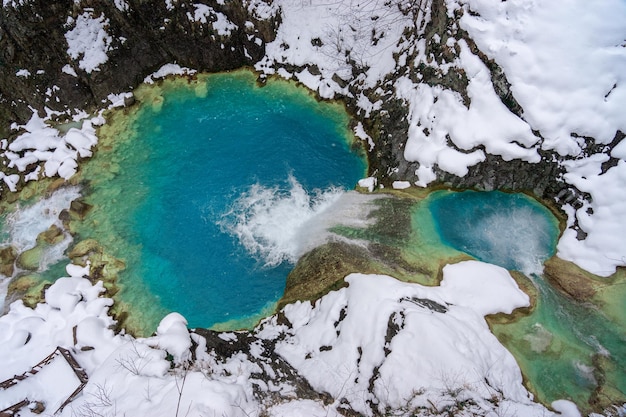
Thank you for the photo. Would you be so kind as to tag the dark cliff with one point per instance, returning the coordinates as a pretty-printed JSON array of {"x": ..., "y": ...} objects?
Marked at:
[{"x": 144, "y": 36}]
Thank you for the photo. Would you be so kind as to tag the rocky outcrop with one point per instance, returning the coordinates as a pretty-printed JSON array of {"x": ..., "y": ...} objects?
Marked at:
[
  {"x": 570, "y": 279},
  {"x": 388, "y": 126},
  {"x": 38, "y": 72},
  {"x": 272, "y": 369}
]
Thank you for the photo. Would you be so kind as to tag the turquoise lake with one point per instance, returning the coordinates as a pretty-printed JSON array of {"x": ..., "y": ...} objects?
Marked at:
[{"x": 211, "y": 190}]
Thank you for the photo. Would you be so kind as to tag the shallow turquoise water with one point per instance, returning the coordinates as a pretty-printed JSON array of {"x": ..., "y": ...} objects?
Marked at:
[
  {"x": 565, "y": 348},
  {"x": 201, "y": 179}
]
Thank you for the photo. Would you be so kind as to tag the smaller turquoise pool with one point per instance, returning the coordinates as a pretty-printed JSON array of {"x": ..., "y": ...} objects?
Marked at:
[{"x": 509, "y": 230}]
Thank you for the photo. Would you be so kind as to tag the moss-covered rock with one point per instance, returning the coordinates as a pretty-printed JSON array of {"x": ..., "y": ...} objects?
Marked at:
[
  {"x": 8, "y": 256},
  {"x": 29, "y": 288},
  {"x": 570, "y": 279},
  {"x": 52, "y": 236},
  {"x": 30, "y": 259},
  {"x": 79, "y": 209},
  {"x": 84, "y": 248},
  {"x": 104, "y": 267},
  {"x": 324, "y": 269}
]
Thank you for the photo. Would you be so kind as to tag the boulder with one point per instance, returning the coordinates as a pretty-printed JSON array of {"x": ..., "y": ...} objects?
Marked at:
[{"x": 7, "y": 260}]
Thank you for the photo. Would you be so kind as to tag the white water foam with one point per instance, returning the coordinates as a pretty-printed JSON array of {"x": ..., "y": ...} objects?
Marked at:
[
  {"x": 277, "y": 225},
  {"x": 24, "y": 225},
  {"x": 516, "y": 235}
]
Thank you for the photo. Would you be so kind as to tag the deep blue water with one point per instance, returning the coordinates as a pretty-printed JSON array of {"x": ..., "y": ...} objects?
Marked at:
[{"x": 225, "y": 182}]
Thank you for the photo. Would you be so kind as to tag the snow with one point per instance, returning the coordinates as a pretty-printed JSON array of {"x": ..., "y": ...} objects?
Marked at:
[
  {"x": 432, "y": 349},
  {"x": 121, "y": 5},
  {"x": 23, "y": 73},
  {"x": 340, "y": 27},
  {"x": 218, "y": 20},
  {"x": 303, "y": 408},
  {"x": 603, "y": 219},
  {"x": 441, "y": 113},
  {"x": 170, "y": 4},
  {"x": 486, "y": 289},
  {"x": 441, "y": 344},
  {"x": 29, "y": 335},
  {"x": 118, "y": 100},
  {"x": 260, "y": 9},
  {"x": 88, "y": 41},
  {"x": 369, "y": 183},
  {"x": 359, "y": 132},
  {"x": 400, "y": 185},
  {"x": 173, "y": 336},
  {"x": 569, "y": 77},
  {"x": 165, "y": 70},
  {"x": 42, "y": 143},
  {"x": 14, "y": 3},
  {"x": 52, "y": 385},
  {"x": 67, "y": 69},
  {"x": 566, "y": 408}
]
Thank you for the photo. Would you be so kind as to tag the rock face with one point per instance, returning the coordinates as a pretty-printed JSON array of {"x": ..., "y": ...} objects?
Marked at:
[
  {"x": 47, "y": 63},
  {"x": 38, "y": 69},
  {"x": 388, "y": 126}
]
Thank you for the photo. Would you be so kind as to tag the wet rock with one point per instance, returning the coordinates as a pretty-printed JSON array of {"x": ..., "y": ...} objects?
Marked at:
[
  {"x": 30, "y": 259},
  {"x": 52, "y": 236},
  {"x": 8, "y": 256},
  {"x": 79, "y": 209},
  {"x": 323, "y": 270},
  {"x": 129, "y": 101},
  {"x": 569, "y": 279}
]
